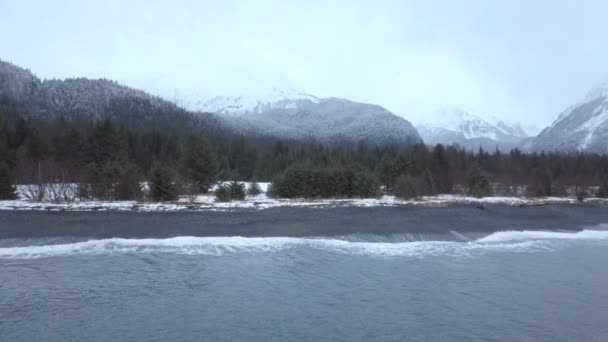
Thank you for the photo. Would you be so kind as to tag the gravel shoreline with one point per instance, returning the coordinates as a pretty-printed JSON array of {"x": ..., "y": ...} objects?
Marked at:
[{"x": 302, "y": 222}]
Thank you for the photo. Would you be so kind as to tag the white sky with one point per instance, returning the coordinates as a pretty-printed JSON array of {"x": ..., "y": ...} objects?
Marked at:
[{"x": 515, "y": 59}]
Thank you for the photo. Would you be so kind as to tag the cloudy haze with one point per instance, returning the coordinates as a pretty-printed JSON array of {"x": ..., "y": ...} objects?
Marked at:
[{"x": 519, "y": 60}]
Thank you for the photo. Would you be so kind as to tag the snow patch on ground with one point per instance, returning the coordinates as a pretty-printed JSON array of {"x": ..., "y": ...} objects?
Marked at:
[
  {"x": 207, "y": 202},
  {"x": 261, "y": 202}
]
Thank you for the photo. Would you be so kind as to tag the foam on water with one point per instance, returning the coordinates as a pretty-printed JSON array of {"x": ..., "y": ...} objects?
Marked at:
[
  {"x": 221, "y": 246},
  {"x": 518, "y": 241},
  {"x": 527, "y": 235}
]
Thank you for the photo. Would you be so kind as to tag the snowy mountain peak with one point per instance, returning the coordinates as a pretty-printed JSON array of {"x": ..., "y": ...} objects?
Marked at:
[
  {"x": 472, "y": 126},
  {"x": 515, "y": 129},
  {"x": 454, "y": 125},
  {"x": 275, "y": 99},
  {"x": 301, "y": 116},
  {"x": 455, "y": 119},
  {"x": 582, "y": 127}
]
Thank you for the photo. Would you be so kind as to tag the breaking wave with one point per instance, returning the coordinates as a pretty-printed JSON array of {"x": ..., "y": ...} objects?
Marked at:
[
  {"x": 527, "y": 235},
  {"x": 522, "y": 241}
]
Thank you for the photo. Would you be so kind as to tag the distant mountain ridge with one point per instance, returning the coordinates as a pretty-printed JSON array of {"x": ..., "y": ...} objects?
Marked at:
[
  {"x": 456, "y": 126},
  {"x": 299, "y": 115},
  {"x": 582, "y": 127},
  {"x": 276, "y": 99}
]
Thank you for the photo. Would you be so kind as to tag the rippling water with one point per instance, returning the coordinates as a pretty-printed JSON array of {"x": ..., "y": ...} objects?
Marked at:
[{"x": 507, "y": 286}]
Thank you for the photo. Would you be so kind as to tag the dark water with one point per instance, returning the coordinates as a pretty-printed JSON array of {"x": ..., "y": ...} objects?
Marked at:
[{"x": 530, "y": 286}]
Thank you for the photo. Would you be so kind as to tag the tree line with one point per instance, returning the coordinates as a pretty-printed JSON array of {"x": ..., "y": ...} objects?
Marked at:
[{"x": 110, "y": 160}]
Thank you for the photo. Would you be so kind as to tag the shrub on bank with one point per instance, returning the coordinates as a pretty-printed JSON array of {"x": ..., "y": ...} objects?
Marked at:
[
  {"x": 233, "y": 191},
  {"x": 407, "y": 187},
  {"x": 254, "y": 189}
]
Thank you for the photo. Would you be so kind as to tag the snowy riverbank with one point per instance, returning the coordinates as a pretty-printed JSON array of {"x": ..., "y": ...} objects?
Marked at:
[{"x": 260, "y": 202}]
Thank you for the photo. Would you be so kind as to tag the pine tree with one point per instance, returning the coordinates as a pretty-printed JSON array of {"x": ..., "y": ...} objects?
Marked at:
[
  {"x": 163, "y": 185},
  {"x": 171, "y": 150},
  {"x": 542, "y": 184},
  {"x": 365, "y": 185},
  {"x": 128, "y": 186},
  {"x": 479, "y": 186},
  {"x": 68, "y": 147},
  {"x": 430, "y": 188},
  {"x": 406, "y": 187},
  {"x": 441, "y": 169},
  {"x": 237, "y": 190},
  {"x": 386, "y": 173},
  {"x": 232, "y": 191},
  {"x": 201, "y": 163},
  {"x": 222, "y": 193},
  {"x": 254, "y": 189},
  {"x": 7, "y": 189}
]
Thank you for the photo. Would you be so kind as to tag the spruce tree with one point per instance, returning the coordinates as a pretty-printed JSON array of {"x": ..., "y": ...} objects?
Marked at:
[
  {"x": 442, "y": 169},
  {"x": 7, "y": 189},
  {"x": 128, "y": 186},
  {"x": 222, "y": 193},
  {"x": 237, "y": 190},
  {"x": 163, "y": 185},
  {"x": 386, "y": 173},
  {"x": 542, "y": 184},
  {"x": 479, "y": 186},
  {"x": 406, "y": 187},
  {"x": 430, "y": 188},
  {"x": 232, "y": 191},
  {"x": 365, "y": 185},
  {"x": 254, "y": 189},
  {"x": 201, "y": 163}
]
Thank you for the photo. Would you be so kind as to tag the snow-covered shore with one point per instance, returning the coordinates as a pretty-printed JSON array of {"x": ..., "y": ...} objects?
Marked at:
[
  {"x": 207, "y": 202},
  {"x": 261, "y": 202}
]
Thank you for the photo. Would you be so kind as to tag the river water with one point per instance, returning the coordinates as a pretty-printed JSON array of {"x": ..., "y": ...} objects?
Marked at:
[{"x": 504, "y": 286}]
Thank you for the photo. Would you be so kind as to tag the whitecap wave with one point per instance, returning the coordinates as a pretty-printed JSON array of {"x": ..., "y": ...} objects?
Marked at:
[
  {"x": 522, "y": 241},
  {"x": 528, "y": 235}
]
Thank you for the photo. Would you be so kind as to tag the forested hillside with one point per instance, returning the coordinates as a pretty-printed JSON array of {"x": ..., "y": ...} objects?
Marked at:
[{"x": 111, "y": 160}]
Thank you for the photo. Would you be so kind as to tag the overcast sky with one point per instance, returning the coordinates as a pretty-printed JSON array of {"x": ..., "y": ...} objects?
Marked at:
[{"x": 517, "y": 59}]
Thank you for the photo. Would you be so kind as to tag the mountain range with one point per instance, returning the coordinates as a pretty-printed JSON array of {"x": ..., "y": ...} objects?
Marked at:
[
  {"x": 298, "y": 115},
  {"x": 454, "y": 125},
  {"x": 582, "y": 127},
  {"x": 291, "y": 114},
  {"x": 282, "y": 114}
]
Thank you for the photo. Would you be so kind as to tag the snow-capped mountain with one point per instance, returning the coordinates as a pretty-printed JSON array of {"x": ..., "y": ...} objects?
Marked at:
[
  {"x": 457, "y": 126},
  {"x": 297, "y": 115},
  {"x": 277, "y": 98},
  {"x": 515, "y": 129},
  {"x": 582, "y": 127}
]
